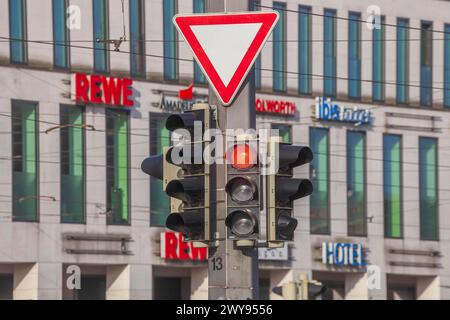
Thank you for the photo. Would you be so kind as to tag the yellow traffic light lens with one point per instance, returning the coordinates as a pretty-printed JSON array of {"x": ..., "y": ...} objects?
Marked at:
[{"x": 241, "y": 189}]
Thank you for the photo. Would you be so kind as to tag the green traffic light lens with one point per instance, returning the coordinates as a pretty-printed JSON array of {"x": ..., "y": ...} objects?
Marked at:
[{"x": 241, "y": 224}]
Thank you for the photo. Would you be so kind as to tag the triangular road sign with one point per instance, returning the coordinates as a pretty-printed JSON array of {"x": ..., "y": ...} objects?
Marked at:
[{"x": 226, "y": 45}]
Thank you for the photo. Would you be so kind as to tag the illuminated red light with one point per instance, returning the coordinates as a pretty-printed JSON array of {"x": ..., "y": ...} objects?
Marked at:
[{"x": 243, "y": 157}]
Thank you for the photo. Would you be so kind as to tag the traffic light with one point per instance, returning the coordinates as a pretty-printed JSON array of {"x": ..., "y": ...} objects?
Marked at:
[
  {"x": 283, "y": 189},
  {"x": 304, "y": 289},
  {"x": 186, "y": 175},
  {"x": 243, "y": 188}
]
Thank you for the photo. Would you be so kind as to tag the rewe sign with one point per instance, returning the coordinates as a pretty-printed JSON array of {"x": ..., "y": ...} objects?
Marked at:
[
  {"x": 99, "y": 89},
  {"x": 173, "y": 247}
]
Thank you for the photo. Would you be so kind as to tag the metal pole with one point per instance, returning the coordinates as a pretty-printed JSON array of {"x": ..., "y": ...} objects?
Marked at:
[{"x": 232, "y": 272}]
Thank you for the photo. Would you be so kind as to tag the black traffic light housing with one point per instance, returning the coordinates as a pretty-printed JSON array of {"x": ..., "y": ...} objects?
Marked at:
[
  {"x": 283, "y": 189},
  {"x": 243, "y": 189},
  {"x": 185, "y": 174}
]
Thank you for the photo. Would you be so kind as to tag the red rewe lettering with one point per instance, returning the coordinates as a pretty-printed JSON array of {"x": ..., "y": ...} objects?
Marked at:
[
  {"x": 127, "y": 92},
  {"x": 183, "y": 248},
  {"x": 81, "y": 87},
  {"x": 171, "y": 245},
  {"x": 199, "y": 254},
  {"x": 112, "y": 90},
  {"x": 95, "y": 90}
]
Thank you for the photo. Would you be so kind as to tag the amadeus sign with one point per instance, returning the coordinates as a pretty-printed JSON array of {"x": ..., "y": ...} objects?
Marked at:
[
  {"x": 343, "y": 254},
  {"x": 328, "y": 110},
  {"x": 170, "y": 102}
]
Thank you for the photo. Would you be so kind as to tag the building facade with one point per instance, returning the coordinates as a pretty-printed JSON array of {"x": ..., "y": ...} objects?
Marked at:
[{"x": 372, "y": 101}]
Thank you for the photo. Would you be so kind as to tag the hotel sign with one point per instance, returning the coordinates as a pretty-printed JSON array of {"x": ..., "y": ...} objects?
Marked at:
[
  {"x": 328, "y": 110},
  {"x": 343, "y": 254}
]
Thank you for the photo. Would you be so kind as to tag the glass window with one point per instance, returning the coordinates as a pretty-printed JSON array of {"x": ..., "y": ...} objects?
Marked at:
[
  {"x": 319, "y": 199},
  {"x": 447, "y": 66},
  {"x": 304, "y": 50},
  {"x": 18, "y": 31},
  {"x": 392, "y": 175},
  {"x": 284, "y": 131},
  {"x": 279, "y": 49},
  {"x": 117, "y": 167},
  {"x": 354, "y": 55},
  {"x": 199, "y": 77},
  {"x": 101, "y": 32},
  {"x": 72, "y": 164},
  {"x": 378, "y": 59},
  {"x": 159, "y": 200},
  {"x": 329, "y": 53},
  {"x": 356, "y": 183},
  {"x": 25, "y": 162},
  {"x": 428, "y": 182},
  {"x": 137, "y": 38},
  {"x": 60, "y": 34},
  {"x": 426, "y": 64},
  {"x": 170, "y": 40},
  {"x": 255, "y": 6},
  {"x": 402, "y": 60}
]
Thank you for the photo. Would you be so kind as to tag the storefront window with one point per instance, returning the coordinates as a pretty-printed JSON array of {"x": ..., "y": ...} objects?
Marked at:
[
  {"x": 356, "y": 184},
  {"x": 72, "y": 164},
  {"x": 319, "y": 199},
  {"x": 392, "y": 174},
  {"x": 284, "y": 131},
  {"x": 429, "y": 213},
  {"x": 25, "y": 161},
  {"x": 117, "y": 171},
  {"x": 159, "y": 200}
]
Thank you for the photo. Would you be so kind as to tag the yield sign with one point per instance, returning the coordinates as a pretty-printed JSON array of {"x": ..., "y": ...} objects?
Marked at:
[{"x": 226, "y": 45}]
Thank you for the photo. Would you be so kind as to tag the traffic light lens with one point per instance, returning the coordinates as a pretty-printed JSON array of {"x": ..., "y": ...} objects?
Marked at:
[
  {"x": 241, "y": 189},
  {"x": 243, "y": 157},
  {"x": 241, "y": 223}
]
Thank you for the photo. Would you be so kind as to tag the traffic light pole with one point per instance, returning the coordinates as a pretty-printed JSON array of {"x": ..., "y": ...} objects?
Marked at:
[{"x": 232, "y": 271}]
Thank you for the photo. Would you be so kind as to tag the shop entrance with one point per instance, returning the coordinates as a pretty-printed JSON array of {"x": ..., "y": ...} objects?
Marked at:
[
  {"x": 401, "y": 287},
  {"x": 6, "y": 286},
  {"x": 172, "y": 283},
  {"x": 93, "y": 287}
]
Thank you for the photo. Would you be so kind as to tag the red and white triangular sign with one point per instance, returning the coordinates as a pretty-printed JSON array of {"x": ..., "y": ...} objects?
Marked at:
[{"x": 226, "y": 45}]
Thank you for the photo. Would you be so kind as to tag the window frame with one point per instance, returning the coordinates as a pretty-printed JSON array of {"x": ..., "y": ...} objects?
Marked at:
[
  {"x": 365, "y": 205},
  {"x": 37, "y": 165},
  {"x": 83, "y": 115},
  {"x": 329, "y": 221},
  {"x": 402, "y": 235},
  {"x": 67, "y": 36}
]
